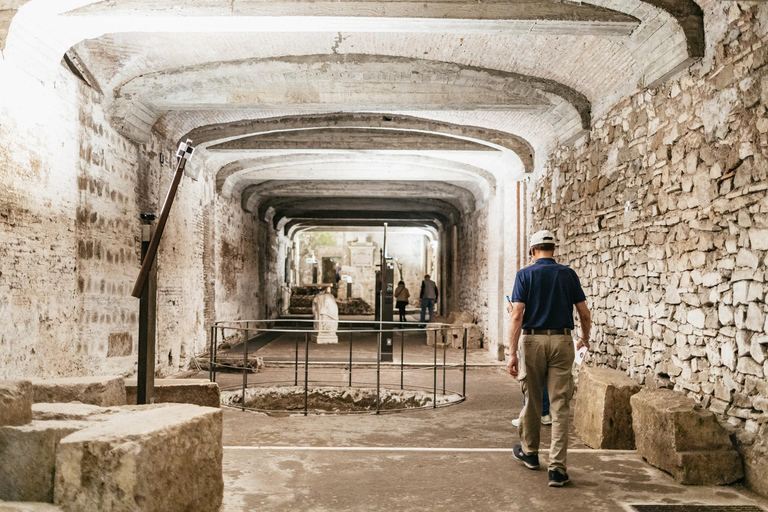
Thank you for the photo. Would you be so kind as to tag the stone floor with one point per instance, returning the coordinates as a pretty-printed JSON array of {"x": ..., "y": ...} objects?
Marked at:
[
  {"x": 454, "y": 458},
  {"x": 409, "y": 343}
]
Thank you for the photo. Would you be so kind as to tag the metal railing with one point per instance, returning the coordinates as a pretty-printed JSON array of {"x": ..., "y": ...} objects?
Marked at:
[{"x": 247, "y": 330}]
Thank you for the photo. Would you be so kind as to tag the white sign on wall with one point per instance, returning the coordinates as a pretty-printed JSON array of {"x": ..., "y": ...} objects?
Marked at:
[{"x": 361, "y": 256}]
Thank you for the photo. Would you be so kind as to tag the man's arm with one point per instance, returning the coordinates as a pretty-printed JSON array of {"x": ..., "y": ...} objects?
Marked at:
[
  {"x": 585, "y": 319},
  {"x": 518, "y": 309}
]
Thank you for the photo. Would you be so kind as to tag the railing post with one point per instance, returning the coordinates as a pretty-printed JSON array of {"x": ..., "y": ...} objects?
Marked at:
[
  {"x": 216, "y": 354},
  {"x": 306, "y": 373},
  {"x": 444, "y": 345},
  {"x": 245, "y": 364},
  {"x": 350, "y": 354},
  {"x": 296, "y": 363},
  {"x": 464, "y": 371},
  {"x": 434, "y": 377},
  {"x": 378, "y": 369},
  {"x": 210, "y": 357},
  {"x": 402, "y": 356}
]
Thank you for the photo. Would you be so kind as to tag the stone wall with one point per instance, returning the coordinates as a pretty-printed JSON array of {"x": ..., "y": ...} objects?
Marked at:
[
  {"x": 664, "y": 215},
  {"x": 71, "y": 191},
  {"x": 68, "y": 222}
]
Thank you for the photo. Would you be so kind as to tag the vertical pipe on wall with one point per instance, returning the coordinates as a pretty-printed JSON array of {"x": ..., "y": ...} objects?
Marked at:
[{"x": 518, "y": 249}]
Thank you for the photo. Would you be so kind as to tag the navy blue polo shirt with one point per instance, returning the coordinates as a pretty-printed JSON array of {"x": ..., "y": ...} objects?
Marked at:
[{"x": 549, "y": 291}]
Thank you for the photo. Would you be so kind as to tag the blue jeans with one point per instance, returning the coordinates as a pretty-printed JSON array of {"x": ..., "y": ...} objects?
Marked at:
[
  {"x": 427, "y": 304},
  {"x": 545, "y": 409}
]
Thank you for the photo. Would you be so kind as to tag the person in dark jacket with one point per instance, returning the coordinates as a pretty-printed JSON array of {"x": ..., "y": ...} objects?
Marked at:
[
  {"x": 401, "y": 297},
  {"x": 428, "y": 297}
]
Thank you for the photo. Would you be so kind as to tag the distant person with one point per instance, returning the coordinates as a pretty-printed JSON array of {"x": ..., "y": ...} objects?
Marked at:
[
  {"x": 543, "y": 300},
  {"x": 428, "y": 297},
  {"x": 401, "y": 296}
]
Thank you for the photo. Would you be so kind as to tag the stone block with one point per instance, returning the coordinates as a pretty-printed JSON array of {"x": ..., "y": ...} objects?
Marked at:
[
  {"x": 15, "y": 402},
  {"x": 102, "y": 391},
  {"x": 71, "y": 411},
  {"x": 28, "y": 458},
  {"x": 181, "y": 391},
  {"x": 156, "y": 459},
  {"x": 603, "y": 413},
  {"x": 17, "y": 506},
  {"x": 454, "y": 337},
  {"x": 676, "y": 435}
]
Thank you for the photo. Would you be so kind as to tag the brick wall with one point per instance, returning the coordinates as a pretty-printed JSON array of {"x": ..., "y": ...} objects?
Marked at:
[
  {"x": 71, "y": 191},
  {"x": 664, "y": 215}
]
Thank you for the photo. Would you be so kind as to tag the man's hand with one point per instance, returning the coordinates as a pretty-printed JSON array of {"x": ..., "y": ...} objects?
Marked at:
[
  {"x": 513, "y": 365},
  {"x": 582, "y": 343},
  {"x": 509, "y": 307}
]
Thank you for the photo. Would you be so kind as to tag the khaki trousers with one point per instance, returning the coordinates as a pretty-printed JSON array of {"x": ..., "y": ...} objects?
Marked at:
[{"x": 549, "y": 357}]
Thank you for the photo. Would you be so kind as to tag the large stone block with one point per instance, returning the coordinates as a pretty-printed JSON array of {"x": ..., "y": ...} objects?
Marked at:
[
  {"x": 8, "y": 506},
  {"x": 102, "y": 391},
  {"x": 181, "y": 391},
  {"x": 603, "y": 413},
  {"x": 15, "y": 402},
  {"x": 163, "y": 459},
  {"x": 674, "y": 434},
  {"x": 70, "y": 411},
  {"x": 28, "y": 458},
  {"x": 454, "y": 336}
]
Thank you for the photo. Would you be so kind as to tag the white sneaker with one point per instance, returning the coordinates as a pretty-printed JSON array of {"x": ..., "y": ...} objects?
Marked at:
[
  {"x": 516, "y": 422},
  {"x": 546, "y": 420}
]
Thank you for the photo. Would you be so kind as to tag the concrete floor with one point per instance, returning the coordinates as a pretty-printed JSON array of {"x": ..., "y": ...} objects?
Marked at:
[{"x": 454, "y": 458}]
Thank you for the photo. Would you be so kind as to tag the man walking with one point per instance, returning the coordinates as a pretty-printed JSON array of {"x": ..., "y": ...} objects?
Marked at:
[
  {"x": 542, "y": 308},
  {"x": 428, "y": 297}
]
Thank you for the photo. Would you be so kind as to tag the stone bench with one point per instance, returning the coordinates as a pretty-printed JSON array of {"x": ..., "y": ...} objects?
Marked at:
[
  {"x": 674, "y": 434},
  {"x": 15, "y": 402},
  {"x": 181, "y": 391},
  {"x": 603, "y": 413},
  {"x": 101, "y": 391},
  {"x": 164, "y": 458}
]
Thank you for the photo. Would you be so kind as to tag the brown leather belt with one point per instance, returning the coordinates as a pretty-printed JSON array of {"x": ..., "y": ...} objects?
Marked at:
[{"x": 547, "y": 332}]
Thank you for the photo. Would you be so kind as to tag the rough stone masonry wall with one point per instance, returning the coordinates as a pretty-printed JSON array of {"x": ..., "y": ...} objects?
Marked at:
[{"x": 664, "y": 214}]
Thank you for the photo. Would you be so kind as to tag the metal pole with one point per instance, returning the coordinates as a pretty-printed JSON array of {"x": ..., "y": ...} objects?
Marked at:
[
  {"x": 245, "y": 365},
  {"x": 402, "y": 356},
  {"x": 296, "y": 363},
  {"x": 216, "y": 349},
  {"x": 434, "y": 377},
  {"x": 350, "y": 355},
  {"x": 464, "y": 371},
  {"x": 184, "y": 154},
  {"x": 306, "y": 372},
  {"x": 444, "y": 360},
  {"x": 378, "y": 360},
  {"x": 147, "y": 324},
  {"x": 210, "y": 358}
]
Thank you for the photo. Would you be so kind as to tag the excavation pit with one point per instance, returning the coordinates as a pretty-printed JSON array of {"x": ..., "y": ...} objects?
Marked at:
[{"x": 335, "y": 400}]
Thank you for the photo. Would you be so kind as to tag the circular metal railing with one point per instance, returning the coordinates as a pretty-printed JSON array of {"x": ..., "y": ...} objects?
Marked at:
[{"x": 382, "y": 355}]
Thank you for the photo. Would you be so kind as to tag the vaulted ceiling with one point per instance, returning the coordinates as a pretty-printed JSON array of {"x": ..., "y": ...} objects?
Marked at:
[{"x": 438, "y": 101}]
